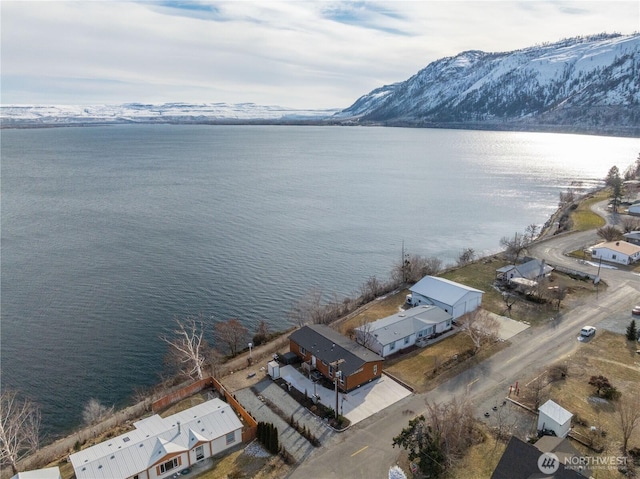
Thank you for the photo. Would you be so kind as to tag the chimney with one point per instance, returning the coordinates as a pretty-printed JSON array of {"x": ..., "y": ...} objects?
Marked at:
[{"x": 178, "y": 427}]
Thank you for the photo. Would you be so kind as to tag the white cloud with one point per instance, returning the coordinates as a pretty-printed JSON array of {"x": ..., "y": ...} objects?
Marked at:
[{"x": 304, "y": 54}]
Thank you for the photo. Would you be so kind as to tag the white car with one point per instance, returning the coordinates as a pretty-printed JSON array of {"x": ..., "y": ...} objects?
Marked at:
[{"x": 587, "y": 331}]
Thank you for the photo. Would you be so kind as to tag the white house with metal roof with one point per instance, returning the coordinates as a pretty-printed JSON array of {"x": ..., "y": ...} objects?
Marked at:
[
  {"x": 454, "y": 298},
  {"x": 160, "y": 447},
  {"x": 553, "y": 417},
  {"x": 46, "y": 473},
  {"x": 389, "y": 335}
]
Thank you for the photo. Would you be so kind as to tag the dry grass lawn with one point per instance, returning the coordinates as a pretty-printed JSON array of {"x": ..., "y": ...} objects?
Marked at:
[
  {"x": 416, "y": 368},
  {"x": 378, "y": 309},
  {"x": 609, "y": 355},
  {"x": 480, "y": 461},
  {"x": 239, "y": 465}
]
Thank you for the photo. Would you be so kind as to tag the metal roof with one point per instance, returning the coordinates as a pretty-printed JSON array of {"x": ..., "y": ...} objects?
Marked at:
[
  {"x": 555, "y": 412},
  {"x": 154, "y": 438},
  {"x": 533, "y": 269},
  {"x": 405, "y": 323},
  {"x": 329, "y": 346},
  {"x": 443, "y": 290},
  {"x": 46, "y": 473}
]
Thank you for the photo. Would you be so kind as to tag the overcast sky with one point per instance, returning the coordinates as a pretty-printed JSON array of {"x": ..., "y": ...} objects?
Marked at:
[{"x": 299, "y": 54}]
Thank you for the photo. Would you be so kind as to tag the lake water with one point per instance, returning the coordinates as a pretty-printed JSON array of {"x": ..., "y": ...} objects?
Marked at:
[{"x": 110, "y": 233}]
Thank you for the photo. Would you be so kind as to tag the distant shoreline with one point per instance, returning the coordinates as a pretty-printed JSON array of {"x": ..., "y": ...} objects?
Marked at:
[{"x": 615, "y": 131}]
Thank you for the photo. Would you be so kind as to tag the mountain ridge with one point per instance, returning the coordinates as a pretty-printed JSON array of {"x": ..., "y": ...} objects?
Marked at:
[
  {"x": 581, "y": 83},
  {"x": 588, "y": 85}
]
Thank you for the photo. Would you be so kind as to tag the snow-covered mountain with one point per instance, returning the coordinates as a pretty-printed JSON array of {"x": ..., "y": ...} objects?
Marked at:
[
  {"x": 584, "y": 84},
  {"x": 581, "y": 84},
  {"x": 48, "y": 115}
]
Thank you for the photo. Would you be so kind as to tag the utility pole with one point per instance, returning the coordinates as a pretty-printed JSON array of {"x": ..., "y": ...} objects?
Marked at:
[{"x": 336, "y": 376}]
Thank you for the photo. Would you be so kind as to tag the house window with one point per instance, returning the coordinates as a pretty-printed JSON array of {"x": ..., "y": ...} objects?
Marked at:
[
  {"x": 231, "y": 437},
  {"x": 375, "y": 369},
  {"x": 199, "y": 453},
  {"x": 303, "y": 351},
  {"x": 613, "y": 256},
  {"x": 331, "y": 370},
  {"x": 167, "y": 466},
  {"x": 406, "y": 340},
  {"x": 392, "y": 346}
]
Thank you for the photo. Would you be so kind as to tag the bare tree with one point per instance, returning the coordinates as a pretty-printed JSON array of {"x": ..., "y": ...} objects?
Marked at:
[
  {"x": 531, "y": 232},
  {"x": 363, "y": 333},
  {"x": 232, "y": 334},
  {"x": 515, "y": 246},
  {"x": 568, "y": 197},
  {"x": 187, "y": 348},
  {"x": 535, "y": 390},
  {"x": 628, "y": 409},
  {"x": 312, "y": 310},
  {"x": 309, "y": 309},
  {"x": 440, "y": 437},
  {"x": 414, "y": 268},
  {"x": 94, "y": 412},
  {"x": 509, "y": 300},
  {"x": 19, "y": 429},
  {"x": 466, "y": 256},
  {"x": 371, "y": 289},
  {"x": 629, "y": 224},
  {"x": 480, "y": 327},
  {"x": 262, "y": 333},
  {"x": 609, "y": 233}
]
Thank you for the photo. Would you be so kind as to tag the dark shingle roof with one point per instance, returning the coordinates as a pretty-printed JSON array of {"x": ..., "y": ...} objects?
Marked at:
[
  {"x": 328, "y": 345},
  {"x": 520, "y": 461}
]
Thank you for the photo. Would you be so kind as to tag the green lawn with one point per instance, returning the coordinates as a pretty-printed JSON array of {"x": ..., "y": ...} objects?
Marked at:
[{"x": 583, "y": 218}]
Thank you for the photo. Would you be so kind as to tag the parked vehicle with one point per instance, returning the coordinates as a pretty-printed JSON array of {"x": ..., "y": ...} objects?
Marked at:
[
  {"x": 587, "y": 331},
  {"x": 636, "y": 310}
]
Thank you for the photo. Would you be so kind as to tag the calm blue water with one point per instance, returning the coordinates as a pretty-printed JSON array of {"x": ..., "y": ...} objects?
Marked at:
[{"x": 108, "y": 234}]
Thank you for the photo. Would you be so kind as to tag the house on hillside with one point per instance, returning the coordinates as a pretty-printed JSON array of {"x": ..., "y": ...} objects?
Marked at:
[
  {"x": 532, "y": 270},
  {"x": 454, "y": 298},
  {"x": 553, "y": 417},
  {"x": 634, "y": 209},
  {"x": 333, "y": 355},
  {"x": 621, "y": 252},
  {"x": 394, "y": 333},
  {"x": 632, "y": 237},
  {"x": 161, "y": 447}
]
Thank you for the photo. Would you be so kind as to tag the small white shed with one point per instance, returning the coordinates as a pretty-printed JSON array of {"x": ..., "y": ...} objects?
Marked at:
[
  {"x": 273, "y": 369},
  {"x": 554, "y": 417}
]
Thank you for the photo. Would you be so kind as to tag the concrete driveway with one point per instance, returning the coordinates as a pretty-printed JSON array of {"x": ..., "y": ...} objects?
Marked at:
[
  {"x": 356, "y": 405},
  {"x": 508, "y": 327}
]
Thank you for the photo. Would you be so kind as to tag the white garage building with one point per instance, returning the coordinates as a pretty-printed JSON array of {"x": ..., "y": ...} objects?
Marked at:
[{"x": 454, "y": 298}]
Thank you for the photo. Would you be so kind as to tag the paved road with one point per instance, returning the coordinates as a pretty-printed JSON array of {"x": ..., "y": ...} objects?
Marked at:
[{"x": 365, "y": 450}]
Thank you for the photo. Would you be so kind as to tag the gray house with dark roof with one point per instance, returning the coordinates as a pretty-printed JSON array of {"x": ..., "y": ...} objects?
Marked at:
[
  {"x": 522, "y": 460},
  {"x": 334, "y": 355},
  {"x": 389, "y": 335}
]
